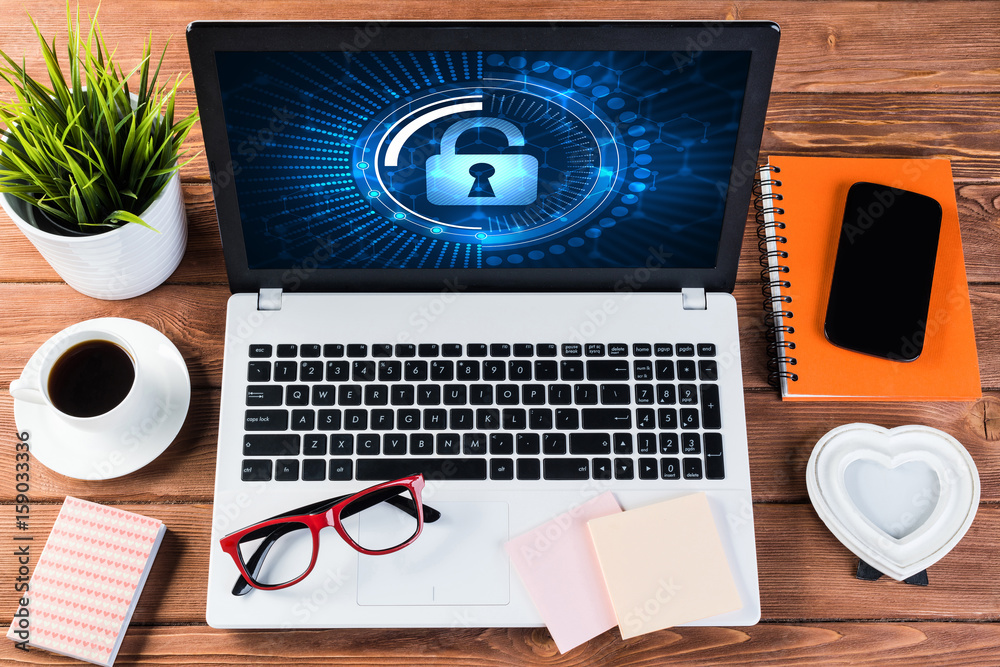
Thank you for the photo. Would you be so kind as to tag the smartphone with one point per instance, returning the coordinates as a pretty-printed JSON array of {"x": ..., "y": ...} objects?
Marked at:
[{"x": 882, "y": 277}]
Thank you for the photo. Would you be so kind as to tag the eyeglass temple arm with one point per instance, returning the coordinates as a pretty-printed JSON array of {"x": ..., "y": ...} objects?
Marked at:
[{"x": 253, "y": 565}]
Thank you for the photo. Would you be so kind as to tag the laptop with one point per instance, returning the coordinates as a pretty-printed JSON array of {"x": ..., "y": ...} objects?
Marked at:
[{"x": 500, "y": 255}]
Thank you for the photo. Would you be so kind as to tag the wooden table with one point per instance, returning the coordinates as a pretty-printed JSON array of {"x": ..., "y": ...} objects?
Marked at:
[{"x": 887, "y": 79}]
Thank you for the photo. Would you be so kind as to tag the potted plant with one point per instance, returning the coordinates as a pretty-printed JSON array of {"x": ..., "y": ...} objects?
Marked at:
[{"x": 89, "y": 166}]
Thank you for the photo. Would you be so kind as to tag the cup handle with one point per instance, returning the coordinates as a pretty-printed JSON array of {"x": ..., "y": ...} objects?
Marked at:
[{"x": 23, "y": 391}]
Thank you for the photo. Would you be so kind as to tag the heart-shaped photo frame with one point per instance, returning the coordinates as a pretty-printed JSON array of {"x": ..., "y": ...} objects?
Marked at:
[{"x": 900, "y": 499}]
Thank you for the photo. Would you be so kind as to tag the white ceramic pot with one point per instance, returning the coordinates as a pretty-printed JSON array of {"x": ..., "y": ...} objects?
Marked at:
[{"x": 119, "y": 264}]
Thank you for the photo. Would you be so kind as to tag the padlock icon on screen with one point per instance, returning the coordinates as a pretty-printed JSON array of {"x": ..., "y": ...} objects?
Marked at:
[{"x": 500, "y": 179}]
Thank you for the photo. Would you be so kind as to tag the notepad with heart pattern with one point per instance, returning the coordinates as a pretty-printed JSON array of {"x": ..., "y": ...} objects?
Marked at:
[{"x": 87, "y": 581}]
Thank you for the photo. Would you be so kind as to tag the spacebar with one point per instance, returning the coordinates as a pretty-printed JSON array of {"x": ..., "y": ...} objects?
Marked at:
[{"x": 433, "y": 469}]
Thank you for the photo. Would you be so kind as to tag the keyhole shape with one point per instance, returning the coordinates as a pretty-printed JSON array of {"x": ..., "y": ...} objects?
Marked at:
[{"x": 482, "y": 187}]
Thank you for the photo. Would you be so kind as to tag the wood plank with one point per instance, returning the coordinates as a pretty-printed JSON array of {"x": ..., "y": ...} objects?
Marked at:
[
  {"x": 830, "y": 46},
  {"x": 875, "y": 644},
  {"x": 805, "y": 573}
]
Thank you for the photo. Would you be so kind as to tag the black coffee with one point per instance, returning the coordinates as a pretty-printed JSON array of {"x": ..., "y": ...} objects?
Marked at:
[{"x": 91, "y": 378}]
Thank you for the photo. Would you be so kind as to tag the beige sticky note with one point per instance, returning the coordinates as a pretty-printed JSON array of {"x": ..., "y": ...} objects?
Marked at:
[{"x": 664, "y": 565}]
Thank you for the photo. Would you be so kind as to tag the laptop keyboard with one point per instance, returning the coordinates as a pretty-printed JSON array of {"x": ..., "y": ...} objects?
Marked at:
[{"x": 497, "y": 411}]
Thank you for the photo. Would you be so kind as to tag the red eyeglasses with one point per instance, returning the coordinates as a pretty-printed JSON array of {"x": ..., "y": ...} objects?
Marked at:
[{"x": 281, "y": 551}]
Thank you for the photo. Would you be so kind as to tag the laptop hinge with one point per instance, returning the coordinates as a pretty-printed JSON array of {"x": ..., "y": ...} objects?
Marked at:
[
  {"x": 693, "y": 298},
  {"x": 269, "y": 298}
]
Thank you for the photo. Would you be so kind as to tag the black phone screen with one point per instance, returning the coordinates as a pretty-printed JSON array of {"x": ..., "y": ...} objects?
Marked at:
[{"x": 882, "y": 278}]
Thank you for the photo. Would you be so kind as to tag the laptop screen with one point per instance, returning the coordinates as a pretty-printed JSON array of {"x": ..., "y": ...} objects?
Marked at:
[{"x": 479, "y": 159}]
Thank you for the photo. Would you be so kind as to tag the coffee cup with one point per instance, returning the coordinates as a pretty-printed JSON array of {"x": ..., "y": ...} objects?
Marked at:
[{"x": 90, "y": 378}]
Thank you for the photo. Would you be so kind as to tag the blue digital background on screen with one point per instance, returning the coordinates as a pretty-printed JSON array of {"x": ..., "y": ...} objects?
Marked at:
[{"x": 472, "y": 159}]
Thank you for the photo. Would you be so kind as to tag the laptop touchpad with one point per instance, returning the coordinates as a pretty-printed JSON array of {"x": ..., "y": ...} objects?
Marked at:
[{"x": 457, "y": 560}]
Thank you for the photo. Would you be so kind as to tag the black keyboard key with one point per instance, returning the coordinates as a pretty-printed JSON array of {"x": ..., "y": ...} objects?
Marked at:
[
  {"x": 259, "y": 371},
  {"x": 432, "y": 469},
  {"x": 648, "y": 469},
  {"x": 421, "y": 444},
  {"x": 571, "y": 370},
  {"x": 260, "y": 351},
  {"x": 507, "y": 394},
  {"x": 523, "y": 349},
  {"x": 706, "y": 350},
  {"x": 560, "y": 394},
  {"x": 323, "y": 394},
  {"x": 601, "y": 468},
  {"x": 415, "y": 371},
  {"x": 314, "y": 470},
  {"x": 589, "y": 444},
  {"x": 405, "y": 349},
  {"x": 494, "y": 370},
  {"x": 714, "y": 466},
  {"x": 451, "y": 350},
  {"x": 615, "y": 394},
  {"x": 612, "y": 369},
  {"x": 689, "y": 418},
  {"x": 685, "y": 350},
  {"x": 606, "y": 419},
  {"x": 502, "y": 469},
  {"x": 351, "y": 394},
  {"x": 642, "y": 369},
  {"x": 623, "y": 443},
  {"x": 382, "y": 420},
  {"x": 624, "y": 469},
  {"x": 474, "y": 444},
  {"x": 435, "y": 419},
  {"x": 341, "y": 470},
  {"x": 408, "y": 419},
  {"x": 566, "y": 468},
  {"x": 664, "y": 369},
  {"x": 461, "y": 419},
  {"x": 567, "y": 419},
  {"x": 711, "y": 413},
  {"x": 476, "y": 349},
  {"x": 666, "y": 394},
  {"x": 554, "y": 444},
  {"x": 708, "y": 370},
  {"x": 311, "y": 371},
  {"x": 663, "y": 350},
  {"x": 687, "y": 369},
  {"x": 529, "y": 469},
  {"x": 670, "y": 468},
  {"x": 645, "y": 418},
  {"x": 572, "y": 349},
  {"x": 286, "y": 470},
  {"x": 501, "y": 444},
  {"x": 595, "y": 349},
  {"x": 357, "y": 350},
  {"x": 617, "y": 350},
  {"x": 487, "y": 419},
  {"x": 369, "y": 444},
  {"x": 692, "y": 468},
  {"x": 546, "y": 349},
  {"x": 533, "y": 394},
  {"x": 540, "y": 419},
  {"x": 263, "y": 394},
  {"x": 303, "y": 420},
  {"x": 481, "y": 394},
  {"x": 394, "y": 444},
  {"x": 341, "y": 444},
  {"x": 467, "y": 371},
  {"x": 546, "y": 369},
  {"x": 585, "y": 394},
  {"x": 644, "y": 394},
  {"x": 642, "y": 349},
  {"x": 687, "y": 394},
  {"x": 333, "y": 350},
  {"x": 528, "y": 444},
  {"x": 278, "y": 444},
  {"x": 310, "y": 351},
  {"x": 329, "y": 420},
  {"x": 520, "y": 370},
  {"x": 455, "y": 394},
  {"x": 337, "y": 371},
  {"x": 442, "y": 370},
  {"x": 287, "y": 351},
  {"x": 314, "y": 444},
  {"x": 500, "y": 350},
  {"x": 427, "y": 350},
  {"x": 355, "y": 420},
  {"x": 669, "y": 444},
  {"x": 667, "y": 418},
  {"x": 647, "y": 444},
  {"x": 363, "y": 371},
  {"x": 691, "y": 443},
  {"x": 256, "y": 471},
  {"x": 390, "y": 371},
  {"x": 381, "y": 350},
  {"x": 265, "y": 420},
  {"x": 296, "y": 394},
  {"x": 429, "y": 394}
]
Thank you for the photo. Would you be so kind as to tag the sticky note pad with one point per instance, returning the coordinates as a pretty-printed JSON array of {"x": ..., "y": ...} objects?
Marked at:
[
  {"x": 559, "y": 568},
  {"x": 664, "y": 565}
]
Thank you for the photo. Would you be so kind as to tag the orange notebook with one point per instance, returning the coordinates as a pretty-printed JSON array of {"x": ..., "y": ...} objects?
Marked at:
[{"x": 800, "y": 210}]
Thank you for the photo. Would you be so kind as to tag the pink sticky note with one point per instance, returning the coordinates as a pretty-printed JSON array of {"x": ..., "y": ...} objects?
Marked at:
[{"x": 559, "y": 567}]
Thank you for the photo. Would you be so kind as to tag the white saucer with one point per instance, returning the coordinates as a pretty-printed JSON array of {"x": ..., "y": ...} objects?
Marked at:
[{"x": 90, "y": 455}]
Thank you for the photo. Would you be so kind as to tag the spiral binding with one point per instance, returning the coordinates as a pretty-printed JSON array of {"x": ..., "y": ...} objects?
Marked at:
[{"x": 776, "y": 310}]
